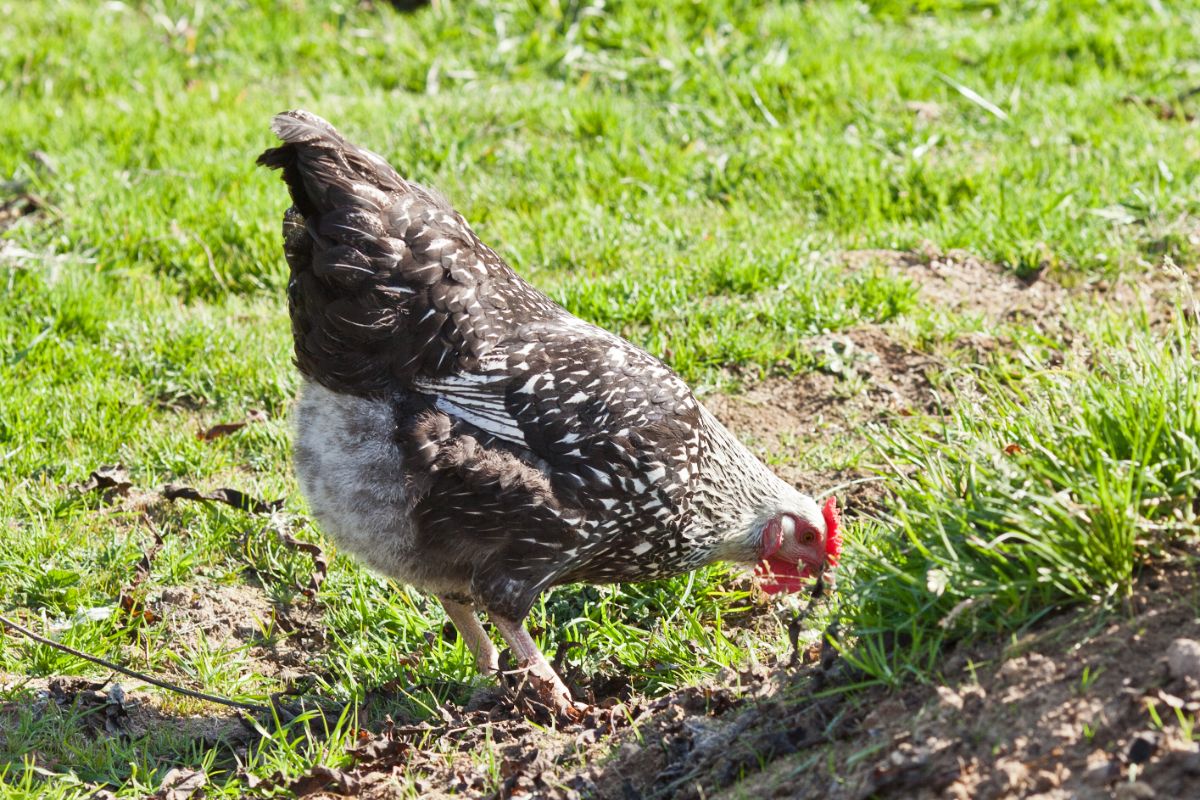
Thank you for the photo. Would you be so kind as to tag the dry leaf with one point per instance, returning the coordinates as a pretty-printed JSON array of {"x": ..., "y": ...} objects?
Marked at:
[
  {"x": 182, "y": 784},
  {"x": 111, "y": 479},
  {"x": 226, "y": 428}
]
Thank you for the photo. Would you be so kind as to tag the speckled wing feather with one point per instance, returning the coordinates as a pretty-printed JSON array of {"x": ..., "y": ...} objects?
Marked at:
[
  {"x": 542, "y": 449},
  {"x": 614, "y": 430}
]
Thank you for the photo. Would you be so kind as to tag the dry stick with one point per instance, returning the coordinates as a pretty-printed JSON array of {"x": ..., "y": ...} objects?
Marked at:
[
  {"x": 794, "y": 626},
  {"x": 7, "y": 623}
]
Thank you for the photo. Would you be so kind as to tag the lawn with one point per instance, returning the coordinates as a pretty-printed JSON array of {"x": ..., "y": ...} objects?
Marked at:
[{"x": 733, "y": 186}]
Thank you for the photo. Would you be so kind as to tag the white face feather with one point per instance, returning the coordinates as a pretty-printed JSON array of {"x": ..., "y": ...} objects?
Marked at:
[{"x": 788, "y": 526}]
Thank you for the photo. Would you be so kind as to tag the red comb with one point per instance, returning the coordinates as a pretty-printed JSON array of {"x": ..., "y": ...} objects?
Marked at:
[{"x": 833, "y": 539}]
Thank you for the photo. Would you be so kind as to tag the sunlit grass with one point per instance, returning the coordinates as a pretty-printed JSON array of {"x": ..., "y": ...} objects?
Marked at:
[
  {"x": 1046, "y": 491},
  {"x": 685, "y": 173}
]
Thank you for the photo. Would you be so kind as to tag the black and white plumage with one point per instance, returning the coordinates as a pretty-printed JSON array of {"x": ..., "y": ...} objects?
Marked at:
[{"x": 463, "y": 433}]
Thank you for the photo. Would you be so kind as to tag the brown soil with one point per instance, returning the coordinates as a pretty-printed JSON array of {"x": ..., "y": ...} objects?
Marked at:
[
  {"x": 121, "y": 709},
  {"x": 961, "y": 282},
  {"x": 958, "y": 281},
  {"x": 282, "y": 638},
  {"x": 1063, "y": 712},
  {"x": 863, "y": 376},
  {"x": 1159, "y": 292}
]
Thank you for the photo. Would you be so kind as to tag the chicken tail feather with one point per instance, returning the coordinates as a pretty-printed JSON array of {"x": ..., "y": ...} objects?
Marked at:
[{"x": 323, "y": 171}]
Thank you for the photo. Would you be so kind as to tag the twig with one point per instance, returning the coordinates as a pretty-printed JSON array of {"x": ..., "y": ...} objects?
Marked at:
[
  {"x": 211, "y": 698},
  {"x": 230, "y": 497},
  {"x": 794, "y": 626},
  {"x": 848, "y": 484}
]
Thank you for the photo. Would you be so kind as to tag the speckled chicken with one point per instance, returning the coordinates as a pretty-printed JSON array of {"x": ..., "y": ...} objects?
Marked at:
[{"x": 462, "y": 433}]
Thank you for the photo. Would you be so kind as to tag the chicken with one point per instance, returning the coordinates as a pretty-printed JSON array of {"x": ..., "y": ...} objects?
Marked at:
[{"x": 459, "y": 431}]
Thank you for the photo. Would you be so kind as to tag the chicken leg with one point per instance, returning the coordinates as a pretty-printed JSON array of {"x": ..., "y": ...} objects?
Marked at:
[
  {"x": 545, "y": 681},
  {"x": 487, "y": 660}
]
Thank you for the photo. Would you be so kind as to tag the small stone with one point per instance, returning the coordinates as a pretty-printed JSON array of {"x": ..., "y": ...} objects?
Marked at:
[
  {"x": 1011, "y": 774},
  {"x": 1013, "y": 668},
  {"x": 1101, "y": 773},
  {"x": 1143, "y": 746},
  {"x": 1135, "y": 791},
  {"x": 949, "y": 698},
  {"x": 1183, "y": 658}
]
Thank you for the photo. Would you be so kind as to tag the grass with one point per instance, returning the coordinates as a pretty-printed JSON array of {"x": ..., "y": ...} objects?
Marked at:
[
  {"x": 685, "y": 173},
  {"x": 1053, "y": 489}
]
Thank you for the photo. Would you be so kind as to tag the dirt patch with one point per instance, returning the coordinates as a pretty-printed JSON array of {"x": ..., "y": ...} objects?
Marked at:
[
  {"x": 1083, "y": 706},
  {"x": 282, "y": 638},
  {"x": 1160, "y": 293},
  {"x": 442, "y": 761},
  {"x": 960, "y": 282},
  {"x": 863, "y": 375},
  {"x": 117, "y": 709},
  {"x": 1063, "y": 713},
  {"x": 222, "y": 613}
]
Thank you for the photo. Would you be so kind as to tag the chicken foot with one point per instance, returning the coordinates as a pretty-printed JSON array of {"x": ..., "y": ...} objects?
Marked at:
[{"x": 549, "y": 688}]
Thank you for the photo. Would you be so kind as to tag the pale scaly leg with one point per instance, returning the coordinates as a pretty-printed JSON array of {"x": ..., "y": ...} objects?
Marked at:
[
  {"x": 487, "y": 660},
  {"x": 550, "y": 688}
]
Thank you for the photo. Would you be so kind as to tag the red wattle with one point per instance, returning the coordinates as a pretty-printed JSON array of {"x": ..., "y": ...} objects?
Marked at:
[{"x": 776, "y": 575}]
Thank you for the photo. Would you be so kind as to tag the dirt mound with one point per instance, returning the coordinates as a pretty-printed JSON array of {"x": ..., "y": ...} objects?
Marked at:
[{"x": 1082, "y": 707}]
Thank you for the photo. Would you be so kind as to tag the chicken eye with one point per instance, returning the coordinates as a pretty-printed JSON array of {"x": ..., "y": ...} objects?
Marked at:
[{"x": 808, "y": 537}]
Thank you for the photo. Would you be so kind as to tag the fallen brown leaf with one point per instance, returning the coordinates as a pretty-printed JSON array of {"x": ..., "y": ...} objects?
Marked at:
[
  {"x": 320, "y": 562},
  {"x": 226, "y": 428},
  {"x": 217, "y": 431},
  {"x": 182, "y": 784},
  {"x": 111, "y": 479},
  {"x": 325, "y": 779},
  {"x": 133, "y": 597},
  {"x": 385, "y": 750}
]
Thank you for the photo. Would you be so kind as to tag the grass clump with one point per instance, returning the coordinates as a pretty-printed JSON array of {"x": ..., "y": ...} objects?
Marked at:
[{"x": 1046, "y": 491}]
